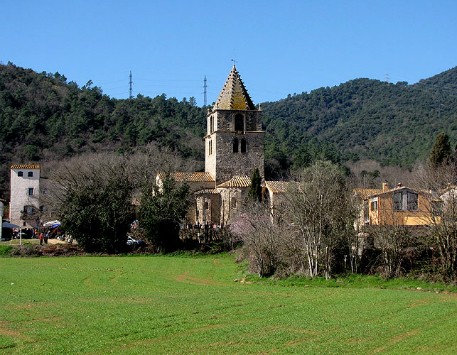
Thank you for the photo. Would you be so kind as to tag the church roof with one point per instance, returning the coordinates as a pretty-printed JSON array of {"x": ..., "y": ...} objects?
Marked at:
[
  {"x": 206, "y": 192},
  {"x": 190, "y": 176},
  {"x": 236, "y": 181},
  {"x": 234, "y": 95}
]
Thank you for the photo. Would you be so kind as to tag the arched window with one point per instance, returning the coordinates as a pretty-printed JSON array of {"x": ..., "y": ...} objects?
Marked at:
[
  {"x": 235, "y": 145},
  {"x": 239, "y": 123},
  {"x": 243, "y": 145},
  {"x": 233, "y": 202},
  {"x": 211, "y": 124}
]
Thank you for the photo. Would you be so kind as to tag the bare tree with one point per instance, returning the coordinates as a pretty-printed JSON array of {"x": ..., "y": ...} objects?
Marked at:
[
  {"x": 445, "y": 233},
  {"x": 262, "y": 239},
  {"x": 150, "y": 160},
  {"x": 439, "y": 181},
  {"x": 321, "y": 211}
]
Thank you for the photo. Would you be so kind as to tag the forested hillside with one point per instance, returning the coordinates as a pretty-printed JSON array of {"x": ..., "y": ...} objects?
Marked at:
[
  {"x": 44, "y": 117},
  {"x": 395, "y": 124}
]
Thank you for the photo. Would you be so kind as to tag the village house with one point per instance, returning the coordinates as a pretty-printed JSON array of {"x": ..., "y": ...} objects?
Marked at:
[
  {"x": 24, "y": 209},
  {"x": 398, "y": 206}
]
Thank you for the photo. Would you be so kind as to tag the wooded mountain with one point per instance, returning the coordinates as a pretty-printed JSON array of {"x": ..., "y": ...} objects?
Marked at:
[
  {"x": 394, "y": 124},
  {"x": 44, "y": 117}
]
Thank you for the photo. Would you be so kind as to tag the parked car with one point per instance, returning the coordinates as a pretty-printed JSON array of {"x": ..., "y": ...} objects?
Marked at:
[{"x": 135, "y": 242}]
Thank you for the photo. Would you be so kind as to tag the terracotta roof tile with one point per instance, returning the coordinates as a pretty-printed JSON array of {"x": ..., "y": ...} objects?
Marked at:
[
  {"x": 236, "y": 181},
  {"x": 25, "y": 166},
  {"x": 190, "y": 176},
  {"x": 277, "y": 186}
]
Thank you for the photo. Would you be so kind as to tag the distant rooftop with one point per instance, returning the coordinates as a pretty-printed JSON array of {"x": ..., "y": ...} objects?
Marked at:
[
  {"x": 25, "y": 166},
  {"x": 277, "y": 187},
  {"x": 190, "y": 176}
]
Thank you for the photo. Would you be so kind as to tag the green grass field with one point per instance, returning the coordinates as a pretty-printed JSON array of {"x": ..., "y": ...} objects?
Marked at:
[{"x": 192, "y": 305}]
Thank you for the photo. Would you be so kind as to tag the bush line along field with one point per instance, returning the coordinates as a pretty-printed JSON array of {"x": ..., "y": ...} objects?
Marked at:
[{"x": 205, "y": 304}]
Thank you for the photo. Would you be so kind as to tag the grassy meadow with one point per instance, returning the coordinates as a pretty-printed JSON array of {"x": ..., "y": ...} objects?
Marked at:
[{"x": 204, "y": 305}]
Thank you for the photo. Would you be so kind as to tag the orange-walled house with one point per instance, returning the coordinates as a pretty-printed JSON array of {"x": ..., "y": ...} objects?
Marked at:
[{"x": 399, "y": 206}]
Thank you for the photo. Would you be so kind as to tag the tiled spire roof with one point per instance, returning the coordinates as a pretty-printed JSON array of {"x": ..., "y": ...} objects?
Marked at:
[{"x": 234, "y": 95}]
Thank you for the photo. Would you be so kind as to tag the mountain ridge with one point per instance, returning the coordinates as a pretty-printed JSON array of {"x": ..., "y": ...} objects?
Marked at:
[{"x": 43, "y": 117}]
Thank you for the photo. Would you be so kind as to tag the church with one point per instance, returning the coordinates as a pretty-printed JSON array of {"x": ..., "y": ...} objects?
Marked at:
[{"x": 234, "y": 148}]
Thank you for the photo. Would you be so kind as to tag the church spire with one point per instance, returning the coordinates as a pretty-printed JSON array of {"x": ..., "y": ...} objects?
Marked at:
[{"x": 234, "y": 95}]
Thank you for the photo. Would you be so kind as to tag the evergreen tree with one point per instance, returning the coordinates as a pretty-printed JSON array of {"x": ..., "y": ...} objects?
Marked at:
[
  {"x": 255, "y": 190},
  {"x": 93, "y": 199},
  {"x": 161, "y": 212},
  {"x": 441, "y": 153}
]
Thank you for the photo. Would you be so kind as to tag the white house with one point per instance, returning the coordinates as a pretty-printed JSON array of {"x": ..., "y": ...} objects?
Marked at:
[{"x": 25, "y": 195}]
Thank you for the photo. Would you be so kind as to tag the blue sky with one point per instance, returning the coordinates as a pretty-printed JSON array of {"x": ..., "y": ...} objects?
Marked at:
[{"x": 280, "y": 47}]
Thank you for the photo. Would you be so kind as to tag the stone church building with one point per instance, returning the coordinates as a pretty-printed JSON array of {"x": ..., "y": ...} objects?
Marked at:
[{"x": 234, "y": 148}]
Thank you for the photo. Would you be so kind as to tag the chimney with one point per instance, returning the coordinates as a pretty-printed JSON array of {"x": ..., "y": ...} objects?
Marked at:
[{"x": 385, "y": 186}]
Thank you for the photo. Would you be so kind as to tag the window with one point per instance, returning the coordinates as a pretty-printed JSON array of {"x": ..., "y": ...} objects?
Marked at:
[
  {"x": 235, "y": 145},
  {"x": 397, "y": 200},
  {"x": 233, "y": 202},
  {"x": 374, "y": 205},
  {"x": 20, "y": 173},
  {"x": 366, "y": 214},
  {"x": 405, "y": 201},
  {"x": 205, "y": 205},
  {"x": 210, "y": 147},
  {"x": 411, "y": 201},
  {"x": 243, "y": 145},
  {"x": 211, "y": 124},
  {"x": 29, "y": 210},
  {"x": 30, "y": 174},
  {"x": 30, "y": 191},
  {"x": 239, "y": 123}
]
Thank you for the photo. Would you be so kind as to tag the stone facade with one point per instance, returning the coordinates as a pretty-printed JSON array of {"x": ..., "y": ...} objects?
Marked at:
[
  {"x": 234, "y": 144},
  {"x": 234, "y": 148}
]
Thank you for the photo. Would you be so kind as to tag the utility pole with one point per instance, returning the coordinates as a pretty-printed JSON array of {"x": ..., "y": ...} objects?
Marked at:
[
  {"x": 204, "y": 91},
  {"x": 130, "y": 85}
]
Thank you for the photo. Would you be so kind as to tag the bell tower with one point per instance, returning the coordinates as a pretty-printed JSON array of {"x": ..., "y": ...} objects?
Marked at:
[{"x": 234, "y": 138}]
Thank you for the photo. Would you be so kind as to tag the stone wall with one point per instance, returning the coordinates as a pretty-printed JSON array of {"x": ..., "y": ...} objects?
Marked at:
[
  {"x": 232, "y": 199},
  {"x": 220, "y": 159},
  {"x": 208, "y": 209},
  {"x": 229, "y": 164}
]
